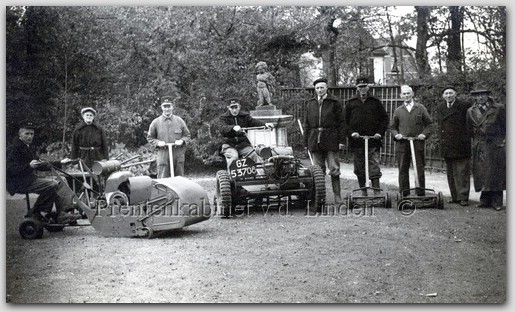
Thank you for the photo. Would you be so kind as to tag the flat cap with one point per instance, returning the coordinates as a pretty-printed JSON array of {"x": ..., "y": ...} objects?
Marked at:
[
  {"x": 319, "y": 80},
  {"x": 362, "y": 81},
  {"x": 233, "y": 102},
  {"x": 27, "y": 125},
  {"x": 88, "y": 109},
  {"x": 167, "y": 99},
  {"x": 449, "y": 88}
]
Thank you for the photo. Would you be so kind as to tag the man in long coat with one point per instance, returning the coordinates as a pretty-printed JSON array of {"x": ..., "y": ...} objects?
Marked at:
[
  {"x": 325, "y": 132},
  {"x": 486, "y": 122},
  {"x": 451, "y": 116}
]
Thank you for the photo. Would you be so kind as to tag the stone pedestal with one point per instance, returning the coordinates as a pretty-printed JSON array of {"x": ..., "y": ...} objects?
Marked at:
[{"x": 278, "y": 137}]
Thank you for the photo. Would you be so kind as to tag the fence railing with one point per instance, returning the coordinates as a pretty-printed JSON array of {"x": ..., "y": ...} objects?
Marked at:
[{"x": 389, "y": 96}]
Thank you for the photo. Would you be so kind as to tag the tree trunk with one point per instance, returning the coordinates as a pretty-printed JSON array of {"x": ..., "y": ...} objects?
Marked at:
[
  {"x": 423, "y": 13},
  {"x": 454, "y": 59}
]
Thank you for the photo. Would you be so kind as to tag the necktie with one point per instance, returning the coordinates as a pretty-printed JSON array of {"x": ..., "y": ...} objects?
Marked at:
[{"x": 449, "y": 105}]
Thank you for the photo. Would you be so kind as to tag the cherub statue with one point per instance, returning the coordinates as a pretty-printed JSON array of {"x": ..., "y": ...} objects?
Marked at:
[{"x": 265, "y": 84}]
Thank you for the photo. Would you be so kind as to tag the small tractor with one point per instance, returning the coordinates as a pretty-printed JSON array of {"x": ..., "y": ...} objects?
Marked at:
[{"x": 279, "y": 178}]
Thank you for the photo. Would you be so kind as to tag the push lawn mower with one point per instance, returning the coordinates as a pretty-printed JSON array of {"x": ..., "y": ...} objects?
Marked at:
[
  {"x": 410, "y": 198},
  {"x": 368, "y": 196}
]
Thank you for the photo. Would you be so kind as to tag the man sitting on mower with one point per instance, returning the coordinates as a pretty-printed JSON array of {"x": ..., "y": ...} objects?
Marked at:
[
  {"x": 22, "y": 162},
  {"x": 236, "y": 144}
]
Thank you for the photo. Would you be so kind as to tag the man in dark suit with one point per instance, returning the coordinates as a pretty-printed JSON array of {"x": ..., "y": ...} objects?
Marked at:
[
  {"x": 22, "y": 164},
  {"x": 451, "y": 118}
]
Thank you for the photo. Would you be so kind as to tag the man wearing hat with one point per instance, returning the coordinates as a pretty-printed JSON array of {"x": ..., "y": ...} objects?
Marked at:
[
  {"x": 451, "y": 117},
  {"x": 22, "y": 163},
  {"x": 169, "y": 128},
  {"x": 365, "y": 116},
  {"x": 324, "y": 132},
  {"x": 486, "y": 123},
  {"x": 411, "y": 119},
  {"x": 236, "y": 144},
  {"x": 89, "y": 141}
]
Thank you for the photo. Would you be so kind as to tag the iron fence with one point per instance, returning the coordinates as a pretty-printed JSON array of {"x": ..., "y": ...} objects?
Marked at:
[{"x": 389, "y": 96}]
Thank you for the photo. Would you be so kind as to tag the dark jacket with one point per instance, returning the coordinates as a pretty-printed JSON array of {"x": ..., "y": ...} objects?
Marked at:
[
  {"x": 244, "y": 120},
  {"x": 324, "y": 125},
  {"x": 365, "y": 118},
  {"x": 19, "y": 174},
  {"x": 454, "y": 141},
  {"x": 488, "y": 147},
  {"x": 89, "y": 136}
]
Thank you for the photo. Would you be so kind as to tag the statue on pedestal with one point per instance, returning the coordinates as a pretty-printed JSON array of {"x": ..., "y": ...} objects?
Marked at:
[{"x": 265, "y": 84}]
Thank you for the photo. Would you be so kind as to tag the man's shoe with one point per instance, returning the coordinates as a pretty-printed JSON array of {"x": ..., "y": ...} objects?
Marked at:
[
  {"x": 452, "y": 201},
  {"x": 482, "y": 205},
  {"x": 464, "y": 203},
  {"x": 497, "y": 208},
  {"x": 65, "y": 218}
]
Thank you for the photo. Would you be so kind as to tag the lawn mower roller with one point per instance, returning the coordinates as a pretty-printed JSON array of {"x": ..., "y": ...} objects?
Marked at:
[
  {"x": 361, "y": 198},
  {"x": 431, "y": 200}
]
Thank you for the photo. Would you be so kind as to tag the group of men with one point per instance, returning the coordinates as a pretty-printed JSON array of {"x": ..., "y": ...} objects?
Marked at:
[{"x": 466, "y": 131}]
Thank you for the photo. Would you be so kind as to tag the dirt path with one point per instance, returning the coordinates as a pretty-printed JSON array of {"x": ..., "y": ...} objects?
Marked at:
[{"x": 456, "y": 255}]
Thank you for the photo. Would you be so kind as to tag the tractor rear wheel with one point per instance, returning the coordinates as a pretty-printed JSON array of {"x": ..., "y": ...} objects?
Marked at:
[
  {"x": 223, "y": 197},
  {"x": 318, "y": 188}
]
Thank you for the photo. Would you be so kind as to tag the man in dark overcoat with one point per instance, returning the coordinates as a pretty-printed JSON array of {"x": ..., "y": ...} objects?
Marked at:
[
  {"x": 365, "y": 116},
  {"x": 325, "y": 132},
  {"x": 89, "y": 141},
  {"x": 486, "y": 122},
  {"x": 23, "y": 162},
  {"x": 451, "y": 117}
]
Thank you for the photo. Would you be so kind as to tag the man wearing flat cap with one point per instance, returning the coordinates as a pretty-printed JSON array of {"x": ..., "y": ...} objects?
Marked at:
[
  {"x": 22, "y": 164},
  {"x": 451, "y": 118},
  {"x": 165, "y": 129},
  {"x": 89, "y": 141},
  {"x": 365, "y": 116},
  {"x": 236, "y": 144},
  {"x": 324, "y": 132},
  {"x": 486, "y": 123}
]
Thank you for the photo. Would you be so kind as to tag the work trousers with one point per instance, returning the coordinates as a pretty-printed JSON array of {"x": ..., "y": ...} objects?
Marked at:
[
  {"x": 232, "y": 154},
  {"x": 331, "y": 158},
  {"x": 163, "y": 170},
  {"x": 50, "y": 192},
  {"x": 403, "y": 162},
  {"x": 458, "y": 177},
  {"x": 374, "y": 172}
]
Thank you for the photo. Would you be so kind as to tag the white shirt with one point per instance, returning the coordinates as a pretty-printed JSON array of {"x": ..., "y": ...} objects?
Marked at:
[{"x": 409, "y": 106}]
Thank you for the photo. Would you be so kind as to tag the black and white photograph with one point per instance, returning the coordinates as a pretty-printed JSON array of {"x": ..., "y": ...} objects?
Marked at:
[{"x": 255, "y": 153}]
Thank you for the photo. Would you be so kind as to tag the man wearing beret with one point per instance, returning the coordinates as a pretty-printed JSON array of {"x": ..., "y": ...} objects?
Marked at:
[
  {"x": 365, "y": 116},
  {"x": 411, "y": 119},
  {"x": 451, "y": 117},
  {"x": 89, "y": 141},
  {"x": 486, "y": 122},
  {"x": 324, "y": 132},
  {"x": 22, "y": 164},
  {"x": 169, "y": 128},
  {"x": 236, "y": 144}
]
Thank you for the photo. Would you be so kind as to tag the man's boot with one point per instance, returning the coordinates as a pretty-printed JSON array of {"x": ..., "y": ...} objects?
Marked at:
[
  {"x": 376, "y": 185},
  {"x": 335, "y": 181},
  {"x": 362, "y": 184}
]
